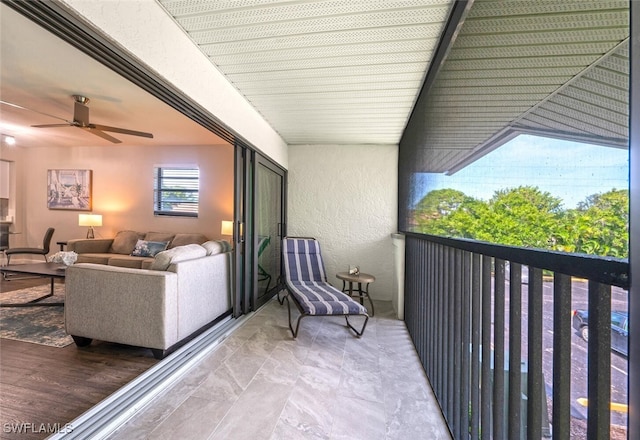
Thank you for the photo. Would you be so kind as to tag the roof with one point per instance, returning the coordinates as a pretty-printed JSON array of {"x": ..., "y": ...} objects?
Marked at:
[{"x": 556, "y": 69}]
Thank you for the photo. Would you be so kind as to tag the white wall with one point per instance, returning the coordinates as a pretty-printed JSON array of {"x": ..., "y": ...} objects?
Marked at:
[
  {"x": 346, "y": 197},
  {"x": 122, "y": 190}
]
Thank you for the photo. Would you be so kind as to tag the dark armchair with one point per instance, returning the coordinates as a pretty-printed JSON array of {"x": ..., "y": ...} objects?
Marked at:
[{"x": 44, "y": 250}]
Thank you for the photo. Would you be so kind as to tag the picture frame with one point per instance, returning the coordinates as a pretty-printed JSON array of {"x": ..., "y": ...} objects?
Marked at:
[{"x": 69, "y": 189}]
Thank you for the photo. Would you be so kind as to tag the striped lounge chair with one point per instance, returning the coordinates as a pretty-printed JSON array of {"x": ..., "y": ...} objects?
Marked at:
[{"x": 307, "y": 286}]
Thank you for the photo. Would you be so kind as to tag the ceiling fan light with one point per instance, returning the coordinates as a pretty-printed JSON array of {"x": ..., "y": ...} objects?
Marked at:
[{"x": 9, "y": 140}]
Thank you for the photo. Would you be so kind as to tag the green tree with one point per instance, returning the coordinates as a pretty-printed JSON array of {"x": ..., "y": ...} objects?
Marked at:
[
  {"x": 600, "y": 225},
  {"x": 524, "y": 216},
  {"x": 438, "y": 203},
  {"x": 465, "y": 222},
  {"x": 527, "y": 217}
]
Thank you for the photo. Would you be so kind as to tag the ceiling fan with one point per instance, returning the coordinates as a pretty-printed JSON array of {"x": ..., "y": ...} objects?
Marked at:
[{"x": 81, "y": 120}]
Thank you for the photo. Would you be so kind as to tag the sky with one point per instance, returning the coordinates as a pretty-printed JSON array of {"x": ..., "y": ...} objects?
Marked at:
[{"x": 568, "y": 170}]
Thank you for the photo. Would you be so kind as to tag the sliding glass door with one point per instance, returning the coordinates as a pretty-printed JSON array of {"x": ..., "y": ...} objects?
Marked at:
[
  {"x": 268, "y": 227},
  {"x": 259, "y": 228}
]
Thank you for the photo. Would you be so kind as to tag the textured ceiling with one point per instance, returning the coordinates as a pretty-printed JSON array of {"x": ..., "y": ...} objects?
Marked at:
[
  {"x": 349, "y": 71},
  {"x": 545, "y": 67},
  {"x": 330, "y": 71}
]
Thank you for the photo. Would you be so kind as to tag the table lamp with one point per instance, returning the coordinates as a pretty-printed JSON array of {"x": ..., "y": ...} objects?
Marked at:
[
  {"x": 227, "y": 227},
  {"x": 90, "y": 220}
]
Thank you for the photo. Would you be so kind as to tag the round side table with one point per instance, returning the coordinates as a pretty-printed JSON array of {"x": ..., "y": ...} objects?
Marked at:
[{"x": 361, "y": 278}]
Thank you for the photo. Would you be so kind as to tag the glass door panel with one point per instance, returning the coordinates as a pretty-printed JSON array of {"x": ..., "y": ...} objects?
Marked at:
[{"x": 268, "y": 228}]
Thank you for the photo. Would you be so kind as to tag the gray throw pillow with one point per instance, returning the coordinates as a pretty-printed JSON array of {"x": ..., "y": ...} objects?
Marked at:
[{"x": 145, "y": 248}]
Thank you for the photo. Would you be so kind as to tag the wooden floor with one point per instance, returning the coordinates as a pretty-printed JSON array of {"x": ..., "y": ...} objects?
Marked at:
[{"x": 43, "y": 387}]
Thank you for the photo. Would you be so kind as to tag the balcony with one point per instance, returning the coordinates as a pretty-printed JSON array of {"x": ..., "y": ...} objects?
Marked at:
[{"x": 477, "y": 319}]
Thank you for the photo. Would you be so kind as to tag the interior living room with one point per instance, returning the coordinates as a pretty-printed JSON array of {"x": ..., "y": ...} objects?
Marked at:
[{"x": 305, "y": 119}]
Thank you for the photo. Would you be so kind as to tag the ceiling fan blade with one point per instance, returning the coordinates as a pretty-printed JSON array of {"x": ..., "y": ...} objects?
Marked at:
[
  {"x": 121, "y": 130},
  {"x": 52, "y": 125},
  {"x": 101, "y": 134},
  {"x": 31, "y": 110}
]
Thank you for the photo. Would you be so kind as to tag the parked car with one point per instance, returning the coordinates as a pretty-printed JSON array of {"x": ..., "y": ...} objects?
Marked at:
[{"x": 619, "y": 329}]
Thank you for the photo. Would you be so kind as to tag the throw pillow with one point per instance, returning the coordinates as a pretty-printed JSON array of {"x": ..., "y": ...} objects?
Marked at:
[
  {"x": 146, "y": 248},
  {"x": 213, "y": 247},
  {"x": 216, "y": 246},
  {"x": 124, "y": 242},
  {"x": 164, "y": 259},
  {"x": 159, "y": 236},
  {"x": 187, "y": 238}
]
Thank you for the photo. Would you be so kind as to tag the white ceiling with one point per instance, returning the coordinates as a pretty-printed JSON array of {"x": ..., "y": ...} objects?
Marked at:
[
  {"x": 40, "y": 72},
  {"x": 330, "y": 71}
]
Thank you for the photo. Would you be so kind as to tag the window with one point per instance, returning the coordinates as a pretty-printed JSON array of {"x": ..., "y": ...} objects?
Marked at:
[
  {"x": 532, "y": 192},
  {"x": 176, "y": 191}
]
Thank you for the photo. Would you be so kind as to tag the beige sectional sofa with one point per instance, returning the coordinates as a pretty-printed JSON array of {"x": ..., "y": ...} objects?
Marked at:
[
  {"x": 118, "y": 251},
  {"x": 184, "y": 290}
]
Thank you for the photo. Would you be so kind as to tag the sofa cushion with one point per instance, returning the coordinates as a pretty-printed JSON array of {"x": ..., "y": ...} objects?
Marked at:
[
  {"x": 216, "y": 246},
  {"x": 146, "y": 248},
  {"x": 94, "y": 258},
  {"x": 183, "y": 239},
  {"x": 124, "y": 242},
  {"x": 159, "y": 236},
  {"x": 164, "y": 259},
  {"x": 129, "y": 261}
]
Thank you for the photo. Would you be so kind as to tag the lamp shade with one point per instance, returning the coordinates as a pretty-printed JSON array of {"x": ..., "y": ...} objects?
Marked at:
[
  {"x": 227, "y": 227},
  {"x": 89, "y": 220}
]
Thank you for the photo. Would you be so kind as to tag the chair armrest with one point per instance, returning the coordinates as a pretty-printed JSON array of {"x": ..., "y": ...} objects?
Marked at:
[{"x": 90, "y": 246}]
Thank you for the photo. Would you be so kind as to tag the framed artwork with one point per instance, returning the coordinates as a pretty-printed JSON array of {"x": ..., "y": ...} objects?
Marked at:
[{"x": 69, "y": 189}]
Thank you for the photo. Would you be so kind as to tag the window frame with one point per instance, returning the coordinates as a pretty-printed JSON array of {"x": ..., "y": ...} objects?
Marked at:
[{"x": 160, "y": 177}]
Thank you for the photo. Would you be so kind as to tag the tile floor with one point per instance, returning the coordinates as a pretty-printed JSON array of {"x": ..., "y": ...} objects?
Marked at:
[{"x": 262, "y": 384}]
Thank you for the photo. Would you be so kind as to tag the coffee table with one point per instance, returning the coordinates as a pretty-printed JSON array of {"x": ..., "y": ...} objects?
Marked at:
[{"x": 45, "y": 270}]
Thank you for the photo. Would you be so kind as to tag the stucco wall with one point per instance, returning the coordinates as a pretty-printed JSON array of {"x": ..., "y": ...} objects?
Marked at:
[
  {"x": 122, "y": 190},
  {"x": 346, "y": 197}
]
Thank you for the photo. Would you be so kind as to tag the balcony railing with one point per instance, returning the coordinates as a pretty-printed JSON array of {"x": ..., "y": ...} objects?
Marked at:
[{"x": 477, "y": 324}]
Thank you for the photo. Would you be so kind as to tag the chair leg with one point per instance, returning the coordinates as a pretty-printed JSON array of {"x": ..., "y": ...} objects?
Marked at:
[
  {"x": 371, "y": 301},
  {"x": 158, "y": 353},
  {"x": 294, "y": 332},
  {"x": 281, "y": 300},
  {"x": 81, "y": 341},
  {"x": 358, "y": 333}
]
